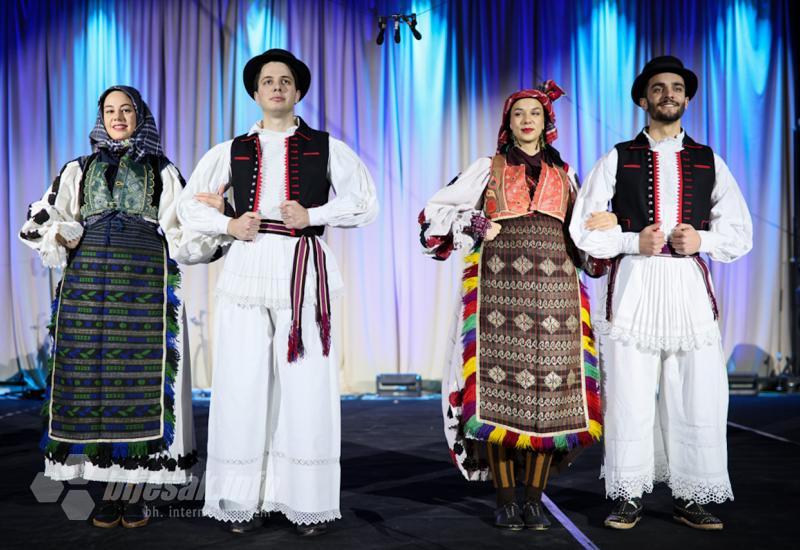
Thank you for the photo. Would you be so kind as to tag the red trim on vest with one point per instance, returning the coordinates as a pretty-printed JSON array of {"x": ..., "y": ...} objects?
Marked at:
[
  {"x": 258, "y": 179},
  {"x": 680, "y": 187},
  {"x": 656, "y": 190},
  {"x": 311, "y": 154},
  {"x": 705, "y": 166},
  {"x": 286, "y": 168},
  {"x": 241, "y": 158},
  {"x": 631, "y": 165},
  {"x": 302, "y": 135}
]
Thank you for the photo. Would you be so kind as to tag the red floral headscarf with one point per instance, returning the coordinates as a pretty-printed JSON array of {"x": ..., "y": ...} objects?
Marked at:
[{"x": 546, "y": 93}]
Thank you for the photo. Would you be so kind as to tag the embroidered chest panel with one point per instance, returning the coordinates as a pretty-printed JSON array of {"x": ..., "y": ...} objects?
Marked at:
[
  {"x": 132, "y": 191},
  {"x": 508, "y": 195}
]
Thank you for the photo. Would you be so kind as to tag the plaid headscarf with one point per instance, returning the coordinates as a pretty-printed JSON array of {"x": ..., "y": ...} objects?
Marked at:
[
  {"x": 546, "y": 93},
  {"x": 144, "y": 140}
]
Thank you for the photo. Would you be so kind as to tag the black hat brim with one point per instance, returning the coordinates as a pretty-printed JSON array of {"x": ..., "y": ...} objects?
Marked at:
[
  {"x": 253, "y": 68},
  {"x": 638, "y": 90}
]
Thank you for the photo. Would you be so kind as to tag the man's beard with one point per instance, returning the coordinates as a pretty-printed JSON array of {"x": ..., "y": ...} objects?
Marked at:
[{"x": 655, "y": 114}]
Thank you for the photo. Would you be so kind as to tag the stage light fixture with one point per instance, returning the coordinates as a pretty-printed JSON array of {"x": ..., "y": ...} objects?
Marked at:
[
  {"x": 411, "y": 20},
  {"x": 381, "y": 29},
  {"x": 396, "y": 20},
  {"x": 396, "y": 28}
]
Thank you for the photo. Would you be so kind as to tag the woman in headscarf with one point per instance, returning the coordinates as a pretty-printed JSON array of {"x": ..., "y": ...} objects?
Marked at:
[
  {"x": 522, "y": 391},
  {"x": 118, "y": 400}
]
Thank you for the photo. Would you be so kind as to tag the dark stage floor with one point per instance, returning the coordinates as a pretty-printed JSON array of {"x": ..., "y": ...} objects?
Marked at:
[{"x": 399, "y": 490}]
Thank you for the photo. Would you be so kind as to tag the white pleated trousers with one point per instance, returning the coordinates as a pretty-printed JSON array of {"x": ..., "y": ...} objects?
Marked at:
[
  {"x": 665, "y": 421},
  {"x": 274, "y": 429}
]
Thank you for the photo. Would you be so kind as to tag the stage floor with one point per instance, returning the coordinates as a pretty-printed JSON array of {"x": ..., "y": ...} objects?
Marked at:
[{"x": 399, "y": 490}]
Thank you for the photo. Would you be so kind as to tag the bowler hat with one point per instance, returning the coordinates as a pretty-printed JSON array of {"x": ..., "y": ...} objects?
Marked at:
[
  {"x": 253, "y": 68},
  {"x": 658, "y": 65}
]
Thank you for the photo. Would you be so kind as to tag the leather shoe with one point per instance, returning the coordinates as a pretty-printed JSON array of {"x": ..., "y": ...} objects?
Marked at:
[
  {"x": 241, "y": 527},
  {"x": 692, "y": 514},
  {"x": 534, "y": 517},
  {"x": 134, "y": 515},
  {"x": 626, "y": 514},
  {"x": 508, "y": 517},
  {"x": 108, "y": 514},
  {"x": 312, "y": 530}
]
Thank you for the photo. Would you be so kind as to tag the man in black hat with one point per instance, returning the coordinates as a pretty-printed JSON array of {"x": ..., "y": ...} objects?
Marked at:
[
  {"x": 274, "y": 428},
  {"x": 666, "y": 390}
]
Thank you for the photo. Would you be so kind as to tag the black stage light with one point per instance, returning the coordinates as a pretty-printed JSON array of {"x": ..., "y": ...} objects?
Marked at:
[
  {"x": 412, "y": 24},
  {"x": 382, "y": 29},
  {"x": 396, "y": 28}
]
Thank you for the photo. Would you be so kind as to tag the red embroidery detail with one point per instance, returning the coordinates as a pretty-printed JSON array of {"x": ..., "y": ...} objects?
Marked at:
[
  {"x": 258, "y": 179},
  {"x": 241, "y": 158},
  {"x": 286, "y": 168},
  {"x": 705, "y": 166},
  {"x": 302, "y": 135},
  {"x": 311, "y": 154},
  {"x": 656, "y": 190},
  {"x": 631, "y": 165},
  {"x": 680, "y": 187}
]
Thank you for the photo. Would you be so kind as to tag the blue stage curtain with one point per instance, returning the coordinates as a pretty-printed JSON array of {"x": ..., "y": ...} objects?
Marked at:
[{"x": 417, "y": 112}]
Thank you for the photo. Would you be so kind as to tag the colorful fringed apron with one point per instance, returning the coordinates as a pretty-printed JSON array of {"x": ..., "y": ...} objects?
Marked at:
[
  {"x": 114, "y": 362},
  {"x": 529, "y": 364}
]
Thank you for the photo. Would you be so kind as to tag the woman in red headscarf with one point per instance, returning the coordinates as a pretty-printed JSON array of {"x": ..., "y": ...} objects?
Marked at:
[{"x": 523, "y": 391}]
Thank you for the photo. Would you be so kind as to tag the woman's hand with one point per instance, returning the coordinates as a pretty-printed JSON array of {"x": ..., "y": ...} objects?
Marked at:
[
  {"x": 65, "y": 243},
  {"x": 214, "y": 200},
  {"x": 493, "y": 231},
  {"x": 601, "y": 221}
]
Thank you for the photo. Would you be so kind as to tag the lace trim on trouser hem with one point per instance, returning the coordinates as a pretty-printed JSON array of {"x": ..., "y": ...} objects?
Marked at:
[
  {"x": 277, "y": 454},
  {"x": 649, "y": 342},
  {"x": 701, "y": 491},
  {"x": 300, "y": 518}
]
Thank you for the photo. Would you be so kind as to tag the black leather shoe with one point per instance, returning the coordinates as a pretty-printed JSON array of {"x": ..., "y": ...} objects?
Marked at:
[
  {"x": 108, "y": 514},
  {"x": 692, "y": 514},
  {"x": 134, "y": 515},
  {"x": 241, "y": 527},
  {"x": 533, "y": 516},
  {"x": 508, "y": 517},
  {"x": 626, "y": 514},
  {"x": 312, "y": 530}
]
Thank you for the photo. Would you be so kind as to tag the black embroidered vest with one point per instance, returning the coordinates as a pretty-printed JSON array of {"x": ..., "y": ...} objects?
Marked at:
[
  {"x": 306, "y": 172},
  {"x": 635, "y": 199}
]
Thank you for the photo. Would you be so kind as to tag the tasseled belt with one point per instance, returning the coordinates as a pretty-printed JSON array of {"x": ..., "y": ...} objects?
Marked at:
[{"x": 305, "y": 244}]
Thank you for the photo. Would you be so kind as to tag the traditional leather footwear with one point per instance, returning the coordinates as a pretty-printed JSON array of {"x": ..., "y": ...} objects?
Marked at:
[
  {"x": 508, "y": 517},
  {"x": 625, "y": 514},
  {"x": 108, "y": 514},
  {"x": 241, "y": 527},
  {"x": 312, "y": 530},
  {"x": 692, "y": 514},
  {"x": 134, "y": 515},
  {"x": 534, "y": 517}
]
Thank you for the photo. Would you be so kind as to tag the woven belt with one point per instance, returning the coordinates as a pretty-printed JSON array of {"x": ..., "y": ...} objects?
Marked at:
[{"x": 305, "y": 244}]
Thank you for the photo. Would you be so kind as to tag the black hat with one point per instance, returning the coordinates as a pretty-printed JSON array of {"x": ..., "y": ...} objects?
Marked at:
[
  {"x": 253, "y": 68},
  {"x": 658, "y": 65}
]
